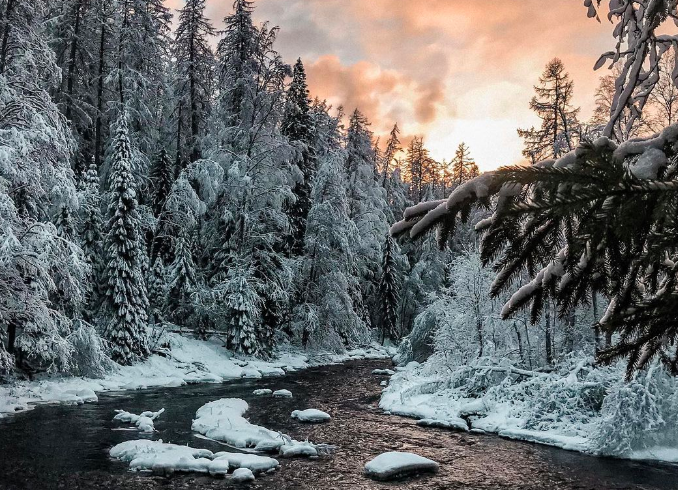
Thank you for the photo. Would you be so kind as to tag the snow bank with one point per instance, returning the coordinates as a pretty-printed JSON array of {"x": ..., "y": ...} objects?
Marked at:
[
  {"x": 165, "y": 459},
  {"x": 577, "y": 407},
  {"x": 311, "y": 415},
  {"x": 392, "y": 465},
  {"x": 222, "y": 420},
  {"x": 187, "y": 361},
  {"x": 143, "y": 422}
]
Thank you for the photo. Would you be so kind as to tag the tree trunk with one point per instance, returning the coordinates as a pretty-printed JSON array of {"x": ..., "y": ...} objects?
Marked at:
[
  {"x": 548, "y": 339},
  {"x": 98, "y": 137},
  {"x": 5, "y": 34},
  {"x": 70, "y": 81}
]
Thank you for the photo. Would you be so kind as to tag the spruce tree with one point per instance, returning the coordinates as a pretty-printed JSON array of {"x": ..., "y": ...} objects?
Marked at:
[
  {"x": 296, "y": 126},
  {"x": 553, "y": 105},
  {"x": 181, "y": 282},
  {"x": 124, "y": 288},
  {"x": 162, "y": 177},
  {"x": 194, "y": 67},
  {"x": 243, "y": 311},
  {"x": 388, "y": 292}
]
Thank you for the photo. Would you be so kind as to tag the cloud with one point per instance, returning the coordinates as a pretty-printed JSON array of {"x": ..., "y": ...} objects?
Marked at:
[{"x": 437, "y": 66}]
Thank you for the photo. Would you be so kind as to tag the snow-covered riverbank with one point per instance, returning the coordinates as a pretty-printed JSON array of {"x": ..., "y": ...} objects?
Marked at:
[
  {"x": 188, "y": 361},
  {"x": 577, "y": 407}
]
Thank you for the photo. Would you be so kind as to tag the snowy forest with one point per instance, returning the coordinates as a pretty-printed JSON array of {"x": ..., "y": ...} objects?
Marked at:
[{"x": 175, "y": 199}]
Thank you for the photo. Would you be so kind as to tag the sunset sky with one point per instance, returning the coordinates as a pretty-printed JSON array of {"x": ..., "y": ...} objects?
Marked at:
[{"x": 450, "y": 70}]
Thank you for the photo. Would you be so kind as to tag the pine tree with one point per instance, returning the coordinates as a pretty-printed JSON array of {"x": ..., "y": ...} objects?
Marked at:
[
  {"x": 392, "y": 149},
  {"x": 296, "y": 126},
  {"x": 91, "y": 230},
  {"x": 388, "y": 292},
  {"x": 463, "y": 166},
  {"x": 124, "y": 287},
  {"x": 559, "y": 127}
]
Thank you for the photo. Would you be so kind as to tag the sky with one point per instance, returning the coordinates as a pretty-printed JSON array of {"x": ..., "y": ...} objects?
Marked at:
[{"x": 447, "y": 70}]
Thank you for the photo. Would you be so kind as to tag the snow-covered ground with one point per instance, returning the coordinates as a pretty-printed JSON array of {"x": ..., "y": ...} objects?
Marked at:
[
  {"x": 187, "y": 361},
  {"x": 577, "y": 407}
]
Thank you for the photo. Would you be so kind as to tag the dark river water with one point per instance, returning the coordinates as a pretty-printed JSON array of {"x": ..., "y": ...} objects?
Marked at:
[{"x": 67, "y": 446}]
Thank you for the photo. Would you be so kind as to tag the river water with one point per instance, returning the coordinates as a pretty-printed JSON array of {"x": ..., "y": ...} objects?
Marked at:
[{"x": 67, "y": 446}]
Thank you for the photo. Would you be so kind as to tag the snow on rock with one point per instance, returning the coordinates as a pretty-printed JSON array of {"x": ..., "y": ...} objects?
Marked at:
[
  {"x": 262, "y": 392},
  {"x": 282, "y": 394},
  {"x": 242, "y": 475},
  {"x": 311, "y": 415},
  {"x": 386, "y": 372},
  {"x": 187, "y": 361},
  {"x": 223, "y": 420},
  {"x": 383, "y": 383},
  {"x": 252, "y": 462},
  {"x": 143, "y": 422},
  {"x": 392, "y": 465},
  {"x": 165, "y": 459},
  {"x": 452, "y": 424}
]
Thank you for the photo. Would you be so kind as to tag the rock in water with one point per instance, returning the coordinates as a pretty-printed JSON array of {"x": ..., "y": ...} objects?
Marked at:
[
  {"x": 311, "y": 415},
  {"x": 262, "y": 392},
  {"x": 392, "y": 465},
  {"x": 282, "y": 394},
  {"x": 242, "y": 475}
]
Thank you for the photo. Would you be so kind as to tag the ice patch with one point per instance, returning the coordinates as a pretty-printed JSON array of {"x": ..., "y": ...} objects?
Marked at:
[{"x": 388, "y": 466}]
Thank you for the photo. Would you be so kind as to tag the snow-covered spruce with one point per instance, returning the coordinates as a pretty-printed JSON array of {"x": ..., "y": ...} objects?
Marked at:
[
  {"x": 144, "y": 422},
  {"x": 393, "y": 465},
  {"x": 223, "y": 420},
  {"x": 311, "y": 415}
]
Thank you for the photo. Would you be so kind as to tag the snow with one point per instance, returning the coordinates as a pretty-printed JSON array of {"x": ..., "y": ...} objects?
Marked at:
[
  {"x": 391, "y": 465},
  {"x": 242, "y": 475},
  {"x": 188, "y": 361},
  {"x": 262, "y": 392},
  {"x": 387, "y": 372},
  {"x": 282, "y": 394},
  {"x": 547, "y": 408},
  {"x": 164, "y": 458},
  {"x": 311, "y": 415},
  {"x": 222, "y": 420},
  {"x": 143, "y": 422}
]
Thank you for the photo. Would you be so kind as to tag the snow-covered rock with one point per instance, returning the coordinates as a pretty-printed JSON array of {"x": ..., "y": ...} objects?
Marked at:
[
  {"x": 165, "y": 459},
  {"x": 311, "y": 415},
  {"x": 282, "y": 394},
  {"x": 252, "y": 462},
  {"x": 387, "y": 372},
  {"x": 223, "y": 420},
  {"x": 144, "y": 422},
  {"x": 242, "y": 475},
  {"x": 262, "y": 392},
  {"x": 451, "y": 423},
  {"x": 391, "y": 465}
]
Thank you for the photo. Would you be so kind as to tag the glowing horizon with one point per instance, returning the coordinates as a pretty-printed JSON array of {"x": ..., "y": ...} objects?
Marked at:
[{"x": 453, "y": 71}]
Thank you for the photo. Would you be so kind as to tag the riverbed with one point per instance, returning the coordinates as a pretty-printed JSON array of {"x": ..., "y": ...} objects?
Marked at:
[{"x": 67, "y": 446}]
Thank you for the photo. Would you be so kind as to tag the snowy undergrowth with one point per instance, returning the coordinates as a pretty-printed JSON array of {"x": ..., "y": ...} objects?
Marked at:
[
  {"x": 577, "y": 406},
  {"x": 186, "y": 361}
]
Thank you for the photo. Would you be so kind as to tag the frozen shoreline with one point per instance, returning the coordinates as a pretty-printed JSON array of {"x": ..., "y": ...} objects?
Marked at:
[
  {"x": 415, "y": 392},
  {"x": 189, "y": 361}
]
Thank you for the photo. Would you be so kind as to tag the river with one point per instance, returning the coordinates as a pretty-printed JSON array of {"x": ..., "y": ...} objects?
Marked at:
[{"x": 67, "y": 446}]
